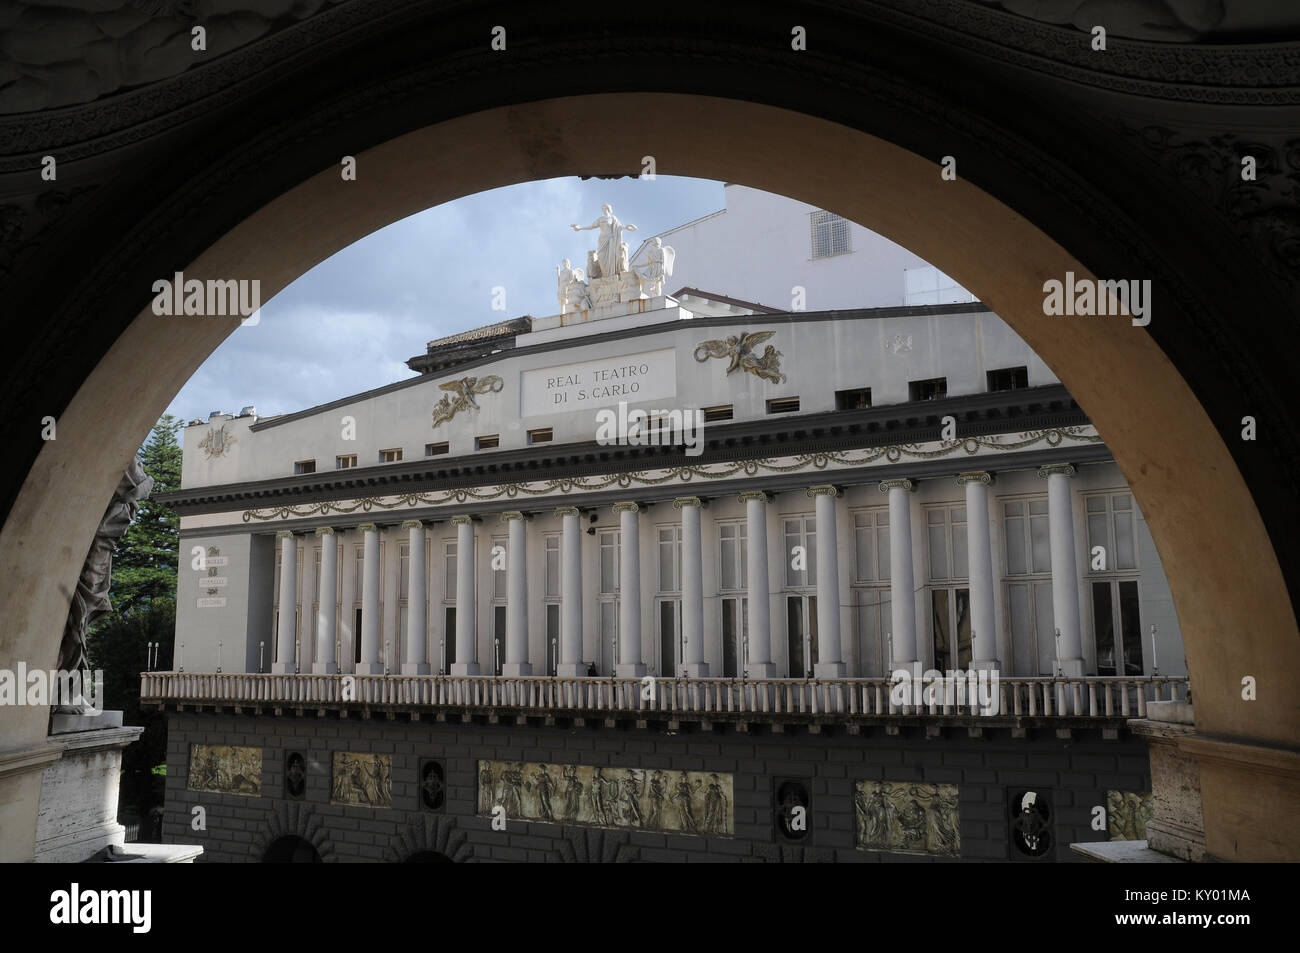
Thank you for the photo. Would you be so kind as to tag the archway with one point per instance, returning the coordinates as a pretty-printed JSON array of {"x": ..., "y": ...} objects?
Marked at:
[
  {"x": 1225, "y": 573},
  {"x": 291, "y": 849}
]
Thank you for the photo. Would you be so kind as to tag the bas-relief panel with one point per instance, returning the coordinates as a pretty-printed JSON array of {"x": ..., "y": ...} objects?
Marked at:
[
  {"x": 907, "y": 817},
  {"x": 679, "y": 802},
  {"x": 1127, "y": 814},
  {"x": 362, "y": 780},
  {"x": 225, "y": 769}
]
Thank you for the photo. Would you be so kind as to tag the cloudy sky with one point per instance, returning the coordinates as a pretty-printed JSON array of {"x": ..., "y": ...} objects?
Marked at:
[{"x": 351, "y": 322}]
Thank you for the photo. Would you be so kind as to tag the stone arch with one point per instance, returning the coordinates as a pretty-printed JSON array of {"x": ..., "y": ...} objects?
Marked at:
[
  {"x": 293, "y": 819},
  {"x": 589, "y": 845},
  {"x": 430, "y": 834}
]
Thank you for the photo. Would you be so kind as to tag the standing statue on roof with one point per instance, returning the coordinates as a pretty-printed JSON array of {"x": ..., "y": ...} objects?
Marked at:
[{"x": 608, "y": 244}]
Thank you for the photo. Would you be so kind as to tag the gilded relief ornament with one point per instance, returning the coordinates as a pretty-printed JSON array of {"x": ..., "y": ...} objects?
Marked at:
[
  {"x": 907, "y": 817},
  {"x": 464, "y": 389},
  {"x": 225, "y": 769},
  {"x": 740, "y": 349},
  {"x": 216, "y": 442}
]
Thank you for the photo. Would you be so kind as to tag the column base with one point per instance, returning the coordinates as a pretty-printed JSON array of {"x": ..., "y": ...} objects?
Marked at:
[
  {"x": 829, "y": 670},
  {"x": 1070, "y": 667},
  {"x": 464, "y": 668},
  {"x": 697, "y": 669},
  {"x": 571, "y": 670},
  {"x": 369, "y": 668},
  {"x": 986, "y": 665},
  {"x": 282, "y": 668},
  {"x": 632, "y": 670},
  {"x": 760, "y": 670},
  {"x": 416, "y": 668},
  {"x": 324, "y": 668},
  {"x": 517, "y": 669}
]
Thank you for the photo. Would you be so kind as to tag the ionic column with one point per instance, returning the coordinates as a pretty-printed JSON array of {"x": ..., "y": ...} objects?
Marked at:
[
  {"x": 758, "y": 662},
  {"x": 629, "y": 592},
  {"x": 417, "y": 649},
  {"x": 901, "y": 588},
  {"x": 569, "y": 664},
  {"x": 327, "y": 599},
  {"x": 370, "y": 664},
  {"x": 692, "y": 588},
  {"x": 1065, "y": 573},
  {"x": 516, "y": 661},
  {"x": 466, "y": 610},
  {"x": 979, "y": 560},
  {"x": 288, "y": 604},
  {"x": 830, "y": 661}
]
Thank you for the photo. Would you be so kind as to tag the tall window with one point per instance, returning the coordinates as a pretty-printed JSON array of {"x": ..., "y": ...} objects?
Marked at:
[
  {"x": 871, "y": 589},
  {"x": 607, "y": 651},
  {"x": 358, "y": 592},
  {"x": 1113, "y": 579},
  {"x": 950, "y": 598},
  {"x": 670, "y": 609},
  {"x": 670, "y": 558},
  {"x": 800, "y": 559},
  {"x": 830, "y": 235},
  {"x": 800, "y": 551},
  {"x": 551, "y": 589},
  {"x": 1028, "y": 555}
]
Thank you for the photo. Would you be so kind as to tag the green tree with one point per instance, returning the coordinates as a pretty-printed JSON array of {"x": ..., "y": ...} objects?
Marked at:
[{"x": 144, "y": 564}]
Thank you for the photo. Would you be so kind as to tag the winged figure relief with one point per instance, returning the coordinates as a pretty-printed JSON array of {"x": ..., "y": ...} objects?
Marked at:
[
  {"x": 464, "y": 391},
  {"x": 740, "y": 348}
]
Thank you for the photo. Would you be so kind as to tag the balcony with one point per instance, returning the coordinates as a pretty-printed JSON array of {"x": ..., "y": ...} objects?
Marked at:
[{"x": 1021, "y": 702}]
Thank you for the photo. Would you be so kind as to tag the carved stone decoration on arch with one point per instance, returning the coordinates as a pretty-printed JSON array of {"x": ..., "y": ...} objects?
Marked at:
[
  {"x": 792, "y": 854},
  {"x": 431, "y": 833},
  {"x": 584, "y": 845},
  {"x": 293, "y": 819}
]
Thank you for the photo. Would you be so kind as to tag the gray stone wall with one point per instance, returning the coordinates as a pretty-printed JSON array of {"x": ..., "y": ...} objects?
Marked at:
[{"x": 1073, "y": 775}]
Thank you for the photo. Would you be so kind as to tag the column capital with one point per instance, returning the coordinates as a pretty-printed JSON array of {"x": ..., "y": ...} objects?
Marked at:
[
  {"x": 760, "y": 496},
  {"x": 682, "y": 501},
  {"x": 284, "y": 534},
  {"x": 974, "y": 476},
  {"x": 824, "y": 489},
  {"x": 904, "y": 484},
  {"x": 626, "y": 507},
  {"x": 367, "y": 528},
  {"x": 567, "y": 511},
  {"x": 1066, "y": 469},
  {"x": 412, "y": 524},
  {"x": 325, "y": 531},
  {"x": 462, "y": 520},
  {"x": 509, "y": 515}
]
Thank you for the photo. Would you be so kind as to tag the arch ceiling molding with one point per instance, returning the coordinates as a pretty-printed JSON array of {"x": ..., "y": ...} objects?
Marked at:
[{"x": 1161, "y": 123}]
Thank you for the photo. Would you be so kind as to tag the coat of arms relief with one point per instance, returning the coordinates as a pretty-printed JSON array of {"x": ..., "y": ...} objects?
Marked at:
[{"x": 216, "y": 442}]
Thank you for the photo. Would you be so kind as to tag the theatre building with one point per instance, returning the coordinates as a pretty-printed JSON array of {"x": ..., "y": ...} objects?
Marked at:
[{"x": 629, "y": 582}]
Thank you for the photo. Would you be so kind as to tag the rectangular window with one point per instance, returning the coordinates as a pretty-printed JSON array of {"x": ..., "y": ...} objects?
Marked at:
[
  {"x": 356, "y": 635},
  {"x": 714, "y": 414},
  {"x": 946, "y": 532},
  {"x": 857, "y": 399},
  {"x": 735, "y": 627},
  {"x": 499, "y": 581},
  {"x": 449, "y": 570},
  {"x": 551, "y": 545},
  {"x": 609, "y": 561},
  {"x": 436, "y": 449},
  {"x": 305, "y": 466},
  {"x": 830, "y": 234},
  {"x": 1008, "y": 378},
  {"x": 541, "y": 435},
  {"x": 608, "y": 633},
  {"x": 1027, "y": 539},
  {"x": 403, "y": 571},
  {"x": 390, "y": 456},
  {"x": 934, "y": 389},
  {"x": 499, "y": 637},
  {"x": 801, "y": 634},
  {"x": 800, "y": 555},
  {"x": 871, "y": 545},
  {"x": 950, "y": 620},
  {"x": 670, "y": 629},
  {"x": 552, "y": 637},
  {"x": 734, "y": 564},
  {"x": 1112, "y": 527},
  {"x": 874, "y": 624},
  {"x": 449, "y": 638},
  {"x": 783, "y": 405},
  {"x": 345, "y": 461},
  {"x": 490, "y": 442},
  {"x": 670, "y": 558}
]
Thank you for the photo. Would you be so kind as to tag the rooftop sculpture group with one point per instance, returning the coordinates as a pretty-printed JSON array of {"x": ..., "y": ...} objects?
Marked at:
[{"x": 608, "y": 277}]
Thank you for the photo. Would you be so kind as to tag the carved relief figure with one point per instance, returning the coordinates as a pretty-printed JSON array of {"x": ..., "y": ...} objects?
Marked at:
[
  {"x": 545, "y": 785},
  {"x": 658, "y": 266},
  {"x": 464, "y": 389},
  {"x": 486, "y": 788},
  {"x": 609, "y": 254},
  {"x": 571, "y": 288},
  {"x": 362, "y": 780},
  {"x": 715, "y": 803},
  {"x": 740, "y": 349},
  {"x": 658, "y": 794},
  {"x": 907, "y": 818},
  {"x": 1127, "y": 814},
  {"x": 572, "y": 792},
  {"x": 512, "y": 783},
  {"x": 682, "y": 795},
  {"x": 226, "y": 769},
  {"x": 631, "y": 798}
]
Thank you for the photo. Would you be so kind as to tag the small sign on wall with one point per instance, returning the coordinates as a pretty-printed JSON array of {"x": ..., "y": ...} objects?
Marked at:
[
  {"x": 212, "y": 582},
  {"x": 212, "y": 602}
]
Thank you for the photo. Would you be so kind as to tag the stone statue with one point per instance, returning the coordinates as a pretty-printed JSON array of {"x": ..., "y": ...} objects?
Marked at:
[
  {"x": 658, "y": 266},
  {"x": 90, "y": 601},
  {"x": 571, "y": 288},
  {"x": 610, "y": 258}
]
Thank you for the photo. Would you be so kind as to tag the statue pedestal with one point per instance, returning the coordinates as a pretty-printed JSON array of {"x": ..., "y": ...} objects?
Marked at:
[{"x": 78, "y": 812}]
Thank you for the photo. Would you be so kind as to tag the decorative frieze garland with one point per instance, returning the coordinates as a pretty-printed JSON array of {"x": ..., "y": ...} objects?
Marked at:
[
  {"x": 997, "y": 443},
  {"x": 676, "y": 802}
]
